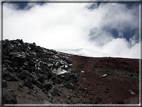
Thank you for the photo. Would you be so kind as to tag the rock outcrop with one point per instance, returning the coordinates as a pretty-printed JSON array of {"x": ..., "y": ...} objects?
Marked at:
[{"x": 37, "y": 68}]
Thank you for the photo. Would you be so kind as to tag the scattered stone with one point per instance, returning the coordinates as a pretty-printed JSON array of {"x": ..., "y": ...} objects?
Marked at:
[
  {"x": 82, "y": 71},
  {"x": 10, "y": 77},
  {"x": 59, "y": 71},
  {"x": 24, "y": 74},
  {"x": 49, "y": 75},
  {"x": 46, "y": 102},
  {"x": 16, "y": 56},
  {"x": 39, "y": 85},
  {"x": 124, "y": 73},
  {"x": 133, "y": 93},
  {"x": 131, "y": 75},
  {"x": 106, "y": 91},
  {"x": 95, "y": 102},
  {"x": 10, "y": 69},
  {"x": 33, "y": 81},
  {"x": 69, "y": 85},
  {"x": 19, "y": 89},
  {"x": 67, "y": 76},
  {"x": 41, "y": 78},
  {"x": 4, "y": 83},
  {"x": 20, "y": 69},
  {"x": 9, "y": 98},
  {"x": 48, "y": 86},
  {"x": 69, "y": 97},
  {"x": 49, "y": 95},
  {"x": 29, "y": 93},
  {"x": 83, "y": 89},
  {"x": 54, "y": 91},
  {"x": 105, "y": 75},
  {"x": 28, "y": 83},
  {"x": 10, "y": 90},
  {"x": 34, "y": 90},
  {"x": 57, "y": 80},
  {"x": 33, "y": 75}
]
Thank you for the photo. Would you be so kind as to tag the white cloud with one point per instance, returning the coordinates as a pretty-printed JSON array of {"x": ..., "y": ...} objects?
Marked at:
[{"x": 73, "y": 26}]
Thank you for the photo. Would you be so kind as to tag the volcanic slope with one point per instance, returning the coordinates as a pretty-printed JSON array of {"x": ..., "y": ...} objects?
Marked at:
[
  {"x": 34, "y": 75},
  {"x": 109, "y": 80}
]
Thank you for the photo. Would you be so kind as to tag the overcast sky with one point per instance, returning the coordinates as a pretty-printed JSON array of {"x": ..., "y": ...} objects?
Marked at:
[{"x": 91, "y": 29}]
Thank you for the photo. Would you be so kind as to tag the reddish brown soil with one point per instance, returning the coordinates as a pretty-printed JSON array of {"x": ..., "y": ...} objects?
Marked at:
[{"x": 123, "y": 76}]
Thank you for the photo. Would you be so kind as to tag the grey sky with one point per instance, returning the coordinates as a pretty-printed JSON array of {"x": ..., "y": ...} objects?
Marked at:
[{"x": 108, "y": 28}]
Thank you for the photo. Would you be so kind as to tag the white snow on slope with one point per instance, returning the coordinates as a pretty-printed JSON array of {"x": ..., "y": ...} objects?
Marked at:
[
  {"x": 84, "y": 52},
  {"x": 90, "y": 53}
]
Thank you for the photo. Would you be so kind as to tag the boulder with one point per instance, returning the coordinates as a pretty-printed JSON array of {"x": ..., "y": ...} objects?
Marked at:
[
  {"x": 32, "y": 46},
  {"x": 33, "y": 81},
  {"x": 95, "y": 102},
  {"x": 47, "y": 86},
  {"x": 32, "y": 62},
  {"x": 33, "y": 75},
  {"x": 69, "y": 97},
  {"x": 56, "y": 80},
  {"x": 10, "y": 69},
  {"x": 46, "y": 102},
  {"x": 131, "y": 75},
  {"x": 54, "y": 91},
  {"x": 59, "y": 71},
  {"x": 9, "y": 98},
  {"x": 82, "y": 71},
  {"x": 20, "y": 69},
  {"x": 24, "y": 74},
  {"x": 69, "y": 85},
  {"x": 39, "y": 85},
  {"x": 49, "y": 74},
  {"x": 20, "y": 85},
  {"x": 41, "y": 78},
  {"x": 4, "y": 83},
  {"x": 10, "y": 77},
  {"x": 67, "y": 76},
  {"x": 10, "y": 90},
  {"x": 105, "y": 75},
  {"x": 28, "y": 83},
  {"x": 17, "y": 56}
]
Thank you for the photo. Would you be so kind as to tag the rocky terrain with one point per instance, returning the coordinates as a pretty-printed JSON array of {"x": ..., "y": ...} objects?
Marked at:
[{"x": 35, "y": 75}]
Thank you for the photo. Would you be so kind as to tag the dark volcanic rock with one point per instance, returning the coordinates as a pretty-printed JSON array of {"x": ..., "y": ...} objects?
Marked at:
[
  {"x": 41, "y": 78},
  {"x": 54, "y": 91},
  {"x": 47, "y": 86},
  {"x": 4, "y": 83},
  {"x": 10, "y": 69},
  {"x": 17, "y": 56},
  {"x": 67, "y": 76},
  {"x": 39, "y": 85},
  {"x": 56, "y": 80},
  {"x": 20, "y": 69},
  {"x": 10, "y": 77},
  {"x": 24, "y": 74},
  {"x": 69, "y": 85},
  {"x": 35, "y": 65},
  {"x": 33, "y": 75},
  {"x": 28, "y": 83},
  {"x": 9, "y": 98}
]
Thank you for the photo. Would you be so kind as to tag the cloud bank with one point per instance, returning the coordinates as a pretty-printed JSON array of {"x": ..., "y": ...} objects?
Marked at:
[{"x": 76, "y": 26}]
